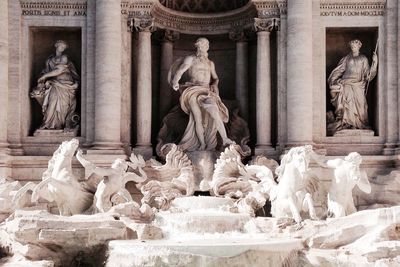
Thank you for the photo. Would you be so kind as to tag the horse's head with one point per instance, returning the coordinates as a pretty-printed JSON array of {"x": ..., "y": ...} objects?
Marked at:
[
  {"x": 297, "y": 157},
  {"x": 68, "y": 148}
]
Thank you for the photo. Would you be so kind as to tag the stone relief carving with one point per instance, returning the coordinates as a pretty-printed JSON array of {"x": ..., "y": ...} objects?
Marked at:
[
  {"x": 56, "y": 91},
  {"x": 348, "y": 84}
]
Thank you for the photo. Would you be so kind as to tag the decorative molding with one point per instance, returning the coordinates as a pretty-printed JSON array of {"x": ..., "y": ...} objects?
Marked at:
[
  {"x": 53, "y": 8},
  {"x": 238, "y": 34},
  {"x": 143, "y": 24},
  {"x": 166, "y": 36},
  {"x": 210, "y": 23},
  {"x": 218, "y": 23},
  {"x": 269, "y": 9},
  {"x": 170, "y": 36},
  {"x": 352, "y": 8},
  {"x": 137, "y": 8},
  {"x": 201, "y": 6},
  {"x": 269, "y": 25}
]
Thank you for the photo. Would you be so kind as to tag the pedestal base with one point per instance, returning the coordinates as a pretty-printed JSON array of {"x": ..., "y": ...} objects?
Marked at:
[
  {"x": 203, "y": 165},
  {"x": 56, "y": 133},
  {"x": 353, "y": 132},
  {"x": 264, "y": 150}
]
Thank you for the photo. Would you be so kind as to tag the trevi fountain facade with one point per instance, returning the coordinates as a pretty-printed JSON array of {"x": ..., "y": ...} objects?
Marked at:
[{"x": 199, "y": 133}]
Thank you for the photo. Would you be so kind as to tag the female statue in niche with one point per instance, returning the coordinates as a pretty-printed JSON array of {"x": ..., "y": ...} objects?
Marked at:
[
  {"x": 347, "y": 83},
  {"x": 56, "y": 91}
]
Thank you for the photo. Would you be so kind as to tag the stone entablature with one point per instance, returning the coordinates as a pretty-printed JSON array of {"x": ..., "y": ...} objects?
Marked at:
[
  {"x": 189, "y": 22},
  {"x": 53, "y": 8},
  {"x": 218, "y": 23},
  {"x": 352, "y": 8}
]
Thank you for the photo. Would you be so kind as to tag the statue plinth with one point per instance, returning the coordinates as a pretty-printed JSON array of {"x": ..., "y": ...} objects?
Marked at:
[
  {"x": 51, "y": 133},
  {"x": 203, "y": 165},
  {"x": 353, "y": 132}
]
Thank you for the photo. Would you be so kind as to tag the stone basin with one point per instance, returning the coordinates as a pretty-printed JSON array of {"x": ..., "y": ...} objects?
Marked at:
[
  {"x": 246, "y": 251},
  {"x": 201, "y": 203},
  {"x": 201, "y": 215}
]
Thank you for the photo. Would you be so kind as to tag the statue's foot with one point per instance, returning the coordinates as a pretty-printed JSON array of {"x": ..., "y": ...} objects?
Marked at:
[{"x": 228, "y": 142}]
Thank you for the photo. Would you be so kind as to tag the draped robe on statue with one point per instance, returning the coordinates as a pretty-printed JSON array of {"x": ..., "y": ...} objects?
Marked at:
[
  {"x": 59, "y": 101},
  {"x": 208, "y": 101},
  {"x": 351, "y": 109}
]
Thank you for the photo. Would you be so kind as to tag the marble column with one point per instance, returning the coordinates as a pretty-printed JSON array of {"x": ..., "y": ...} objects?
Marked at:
[
  {"x": 3, "y": 75},
  {"x": 299, "y": 72},
  {"x": 143, "y": 145},
  {"x": 398, "y": 71},
  {"x": 167, "y": 59},
  {"x": 108, "y": 76},
  {"x": 392, "y": 118},
  {"x": 263, "y": 87},
  {"x": 241, "y": 84}
]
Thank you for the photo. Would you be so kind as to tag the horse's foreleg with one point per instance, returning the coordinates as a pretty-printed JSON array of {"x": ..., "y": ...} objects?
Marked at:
[
  {"x": 310, "y": 203},
  {"x": 295, "y": 211}
]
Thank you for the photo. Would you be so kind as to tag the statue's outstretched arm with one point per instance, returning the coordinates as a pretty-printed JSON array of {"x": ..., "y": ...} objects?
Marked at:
[
  {"x": 372, "y": 71},
  {"x": 92, "y": 168},
  {"x": 60, "y": 69},
  {"x": 180, "y": 71}
]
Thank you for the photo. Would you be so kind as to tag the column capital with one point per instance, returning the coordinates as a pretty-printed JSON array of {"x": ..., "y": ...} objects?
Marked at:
[
  {"x": 166, "y": 36},
  {"x": 142, "y": 24},
  {"x": 266, "y": 25},
  {"x": 238, "y": 35}
]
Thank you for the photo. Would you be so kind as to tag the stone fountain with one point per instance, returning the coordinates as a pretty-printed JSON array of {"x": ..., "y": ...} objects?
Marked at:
[{"x": 314, "y": 218}]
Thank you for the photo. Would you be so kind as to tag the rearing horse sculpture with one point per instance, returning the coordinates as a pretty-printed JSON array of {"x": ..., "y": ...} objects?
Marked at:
[{"x": 292, "y": 194}]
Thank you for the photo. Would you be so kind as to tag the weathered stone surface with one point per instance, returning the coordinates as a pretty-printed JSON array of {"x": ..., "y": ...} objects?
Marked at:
[
  {"x": 38, "y": 235},
  {"x": 385, "y": 192},
  {"x": 204, "y": 252}
]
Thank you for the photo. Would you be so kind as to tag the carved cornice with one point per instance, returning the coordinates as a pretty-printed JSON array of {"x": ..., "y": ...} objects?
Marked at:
[
  {"x": 352, "y": 8},
  {"x": 261, "y": 25},
  {"x": 66, "y": 5},
  {"x": 217, "y": 23},
  {"x": 269, "y": 9},
  {"x": 75, "y": 8}
]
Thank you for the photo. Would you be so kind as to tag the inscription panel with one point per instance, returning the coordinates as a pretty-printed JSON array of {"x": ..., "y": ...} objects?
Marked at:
[{"x": 53, "y": 9}]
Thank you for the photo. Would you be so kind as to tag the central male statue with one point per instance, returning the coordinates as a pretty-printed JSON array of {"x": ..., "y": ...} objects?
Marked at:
[{"x": 200, "y": 100}]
